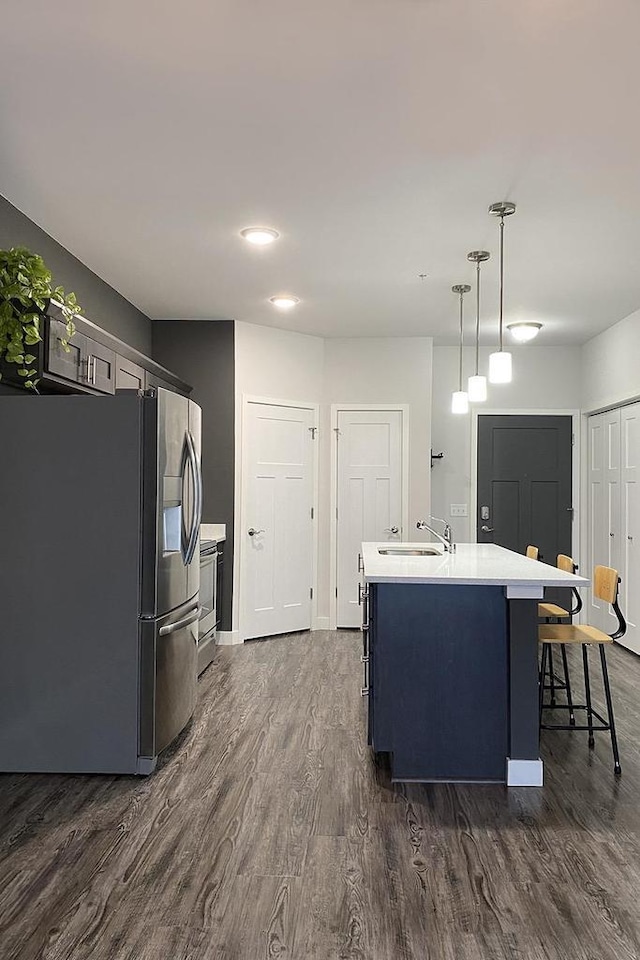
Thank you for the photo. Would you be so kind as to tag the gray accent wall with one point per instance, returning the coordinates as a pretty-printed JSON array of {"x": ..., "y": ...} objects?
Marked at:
[
  {"x": 202, "y": 353},
  {"x": 101, "y": 303}
]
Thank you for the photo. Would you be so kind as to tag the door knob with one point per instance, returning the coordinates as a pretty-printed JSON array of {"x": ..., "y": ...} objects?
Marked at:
[
  {"x": 252, "y": 531},
  {"x": 486, "y": 529},
  {"x": 392, "y": 529}
]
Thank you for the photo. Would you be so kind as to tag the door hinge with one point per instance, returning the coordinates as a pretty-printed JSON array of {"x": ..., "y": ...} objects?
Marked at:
[
  {"x": 573, "y": 439},
  {"x": 313, "y": 431},
  {"x": 311, "y": 593},
  {"x": 336, "y": 430},
  {"x": 336, "y": 593},
  {"x": 312, "y": 513},
  {"x": 336, "y": 513}
]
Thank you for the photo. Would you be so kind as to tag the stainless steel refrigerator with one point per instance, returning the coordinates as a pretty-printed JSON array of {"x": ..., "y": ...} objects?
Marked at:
[{"x": 99, "y": 576}]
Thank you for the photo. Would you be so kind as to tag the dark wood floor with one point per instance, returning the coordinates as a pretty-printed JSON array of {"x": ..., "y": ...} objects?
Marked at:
[{"x": 271, "y": 833}]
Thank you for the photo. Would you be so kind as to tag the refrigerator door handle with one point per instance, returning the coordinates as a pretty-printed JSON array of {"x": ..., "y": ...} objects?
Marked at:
[
  {"x": 185, "y": 538},
  {"x": 197, "y": 507},
  {"x": 180, "y": 624}
]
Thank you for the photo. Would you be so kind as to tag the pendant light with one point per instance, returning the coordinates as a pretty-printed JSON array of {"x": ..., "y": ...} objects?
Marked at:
[
  {"x": 477, "y": 384},
  {"x": 459, "y": 399},
  {"x": 500, "y": 362}
]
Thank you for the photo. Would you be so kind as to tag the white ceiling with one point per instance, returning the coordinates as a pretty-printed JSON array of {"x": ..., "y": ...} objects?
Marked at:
[{"x": 372, "y": 134}]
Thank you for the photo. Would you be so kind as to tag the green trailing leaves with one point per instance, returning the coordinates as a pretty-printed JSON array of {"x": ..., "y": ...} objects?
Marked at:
[{"x": 25, "y": 292}]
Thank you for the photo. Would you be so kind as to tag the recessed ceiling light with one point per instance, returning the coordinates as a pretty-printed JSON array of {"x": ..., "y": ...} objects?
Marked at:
[
  {"x": 284, "y": 302},
  {"x": 260, "y": 236},
  {"x": 524, "y": 330}
]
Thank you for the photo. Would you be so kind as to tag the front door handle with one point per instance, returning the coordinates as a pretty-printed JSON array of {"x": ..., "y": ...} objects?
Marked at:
[
  {"x": 252, "y": 531},
  {"x": 486, "y": 529}
]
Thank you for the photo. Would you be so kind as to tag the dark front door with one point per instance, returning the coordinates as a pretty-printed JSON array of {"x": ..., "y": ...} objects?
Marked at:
[{"x": 524, "y": 483}]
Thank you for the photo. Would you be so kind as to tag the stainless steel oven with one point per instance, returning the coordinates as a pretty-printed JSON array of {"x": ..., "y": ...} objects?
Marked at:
[{"x": 208, "y": 602}]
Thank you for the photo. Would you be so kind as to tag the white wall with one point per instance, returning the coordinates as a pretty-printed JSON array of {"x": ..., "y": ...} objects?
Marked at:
[
  {"x": 288, "y": 366},
  {"x": 611, "y": 365},
  {"x": 544, "y": 378}
]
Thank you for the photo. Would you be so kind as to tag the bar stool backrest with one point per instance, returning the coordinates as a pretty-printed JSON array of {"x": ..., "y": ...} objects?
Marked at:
[
  {"x": 563, "y": 562},
  {"x": 605, "y": 587},
  {"x": 532, "y": 552}
]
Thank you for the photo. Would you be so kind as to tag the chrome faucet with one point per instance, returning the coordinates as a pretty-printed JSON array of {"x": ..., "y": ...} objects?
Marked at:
[{"x": 445, "y": 538}]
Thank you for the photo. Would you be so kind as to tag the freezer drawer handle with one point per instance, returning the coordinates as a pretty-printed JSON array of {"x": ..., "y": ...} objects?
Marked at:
[{"x": 179, "y": 624}]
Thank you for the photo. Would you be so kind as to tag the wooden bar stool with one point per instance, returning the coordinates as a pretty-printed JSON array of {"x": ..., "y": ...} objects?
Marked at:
[
  {"x": 605, "y": 587},
  {"x": 552, "y": 612},
  {"x": 532, "y": 552}
]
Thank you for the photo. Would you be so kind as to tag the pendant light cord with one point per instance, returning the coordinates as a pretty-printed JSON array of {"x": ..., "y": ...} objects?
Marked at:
[
  {"x": 461, "y": 342},
  {"x": 501, "y": 274},
  {"x": 477, "y": 317}
]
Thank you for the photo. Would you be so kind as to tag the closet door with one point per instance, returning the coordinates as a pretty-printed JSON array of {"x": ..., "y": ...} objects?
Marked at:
[
  {"x": 630, "y": 523},
  {"x": 598, "y": 532}
]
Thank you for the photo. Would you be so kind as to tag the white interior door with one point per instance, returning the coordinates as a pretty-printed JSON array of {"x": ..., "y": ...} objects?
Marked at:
[
  {"x": 630, "y": 523},
  {"x": 276, "y": 568},
  {"x": 369, "y": 495}
]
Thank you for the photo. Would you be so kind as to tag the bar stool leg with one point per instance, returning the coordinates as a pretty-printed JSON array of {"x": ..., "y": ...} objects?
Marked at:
[
  {"x": 607, "y": 692},
  {"x": 543, "y": 670},
  {"x": 572, "y": 717},
  {"x": 587, "y": 690},
  {"x": 552, "y": 686}
]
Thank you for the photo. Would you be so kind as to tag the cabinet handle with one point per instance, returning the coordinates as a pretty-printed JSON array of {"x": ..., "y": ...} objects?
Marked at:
[
  {"x": 364, "y": 691},
  {"x": 364, "y": 659},
  {"x": 362, "y": 594},
  {"x": 364, "y": 627},
  {"x": 360, "y": 564}
]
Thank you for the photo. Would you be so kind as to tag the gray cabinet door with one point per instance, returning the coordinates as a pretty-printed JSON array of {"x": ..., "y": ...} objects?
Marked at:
[
  {"x": 101, "y": 366},
  {"x": 70, "y": 363},
  {"x": 129, "y": 376}
]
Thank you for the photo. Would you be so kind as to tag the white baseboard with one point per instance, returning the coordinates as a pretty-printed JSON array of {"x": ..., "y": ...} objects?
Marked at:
[
  {"x": 227, "y": 638},
  {"x": 320, "y": 623},
  {"x": 525, "y": 773}
]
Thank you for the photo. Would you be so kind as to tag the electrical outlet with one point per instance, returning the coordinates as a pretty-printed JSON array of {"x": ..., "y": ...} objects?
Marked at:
[{"x": 458, "y": 510}]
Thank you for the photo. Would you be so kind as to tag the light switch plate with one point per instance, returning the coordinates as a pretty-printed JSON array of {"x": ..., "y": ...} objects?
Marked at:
[{"x": 458, "y": 510}]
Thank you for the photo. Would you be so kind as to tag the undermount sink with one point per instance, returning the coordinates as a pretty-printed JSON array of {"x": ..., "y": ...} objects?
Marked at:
[{"x": 410, "y": 552}]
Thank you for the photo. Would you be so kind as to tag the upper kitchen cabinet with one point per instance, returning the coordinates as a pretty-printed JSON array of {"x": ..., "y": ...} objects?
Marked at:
[
  {"x": 92, "y": 361},
  {"x": 82, "y": 361},
  {"x": 129, "y": 375}
]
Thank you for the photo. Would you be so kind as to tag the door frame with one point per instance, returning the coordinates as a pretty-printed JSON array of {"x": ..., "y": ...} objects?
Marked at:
[
  {"x": 336, "y": 409},
  {"x": 576, "y": 463},
  {"x": 241, "y": 515}
]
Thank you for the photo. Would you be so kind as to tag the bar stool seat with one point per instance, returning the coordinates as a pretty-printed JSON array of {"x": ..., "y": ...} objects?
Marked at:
[
  {"x": 571, "y": 633},
  {"x": 552, "y": 610}
]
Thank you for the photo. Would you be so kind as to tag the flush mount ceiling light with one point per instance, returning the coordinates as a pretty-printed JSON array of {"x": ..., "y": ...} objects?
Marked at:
[
  {"x": 259, "y": 236},
  {"x": 459, "y": 398},
  {"x": 284, "y": 302},
  {"x": 477, "y": 384},
  {"x": 500, "y": 362},
  {"x": 524, "y": 330}
]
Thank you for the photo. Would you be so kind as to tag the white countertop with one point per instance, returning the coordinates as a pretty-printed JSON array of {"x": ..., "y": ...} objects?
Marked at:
[
  {"x": 213, "y": 531},
  {"x": 483, "y": 564}
]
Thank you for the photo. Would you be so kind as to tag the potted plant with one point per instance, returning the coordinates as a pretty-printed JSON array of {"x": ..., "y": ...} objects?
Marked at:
[{"x": 25, "y": 294}]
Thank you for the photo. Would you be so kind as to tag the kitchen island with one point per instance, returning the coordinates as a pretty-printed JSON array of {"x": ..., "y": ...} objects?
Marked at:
[{"x": 451, "y": 660}]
